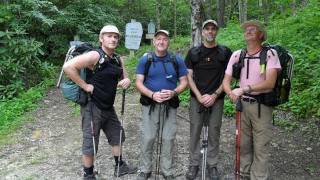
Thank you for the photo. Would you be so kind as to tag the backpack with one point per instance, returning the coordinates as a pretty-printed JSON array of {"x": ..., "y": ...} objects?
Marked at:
[
  {"x": 150, "y": 59},
  {"x": 281, "y": 90},
  {"x": 196, "y": 53},
  {"x": 221, "y": 54},
  {"x": 69, "y": 89}
]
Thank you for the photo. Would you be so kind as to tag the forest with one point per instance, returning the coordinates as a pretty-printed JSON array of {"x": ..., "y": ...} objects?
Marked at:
[{"x": 35, "y": 35}]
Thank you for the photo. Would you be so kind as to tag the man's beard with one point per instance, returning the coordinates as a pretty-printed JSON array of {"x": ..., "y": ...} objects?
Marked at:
[{"x": 210, "y": 39}]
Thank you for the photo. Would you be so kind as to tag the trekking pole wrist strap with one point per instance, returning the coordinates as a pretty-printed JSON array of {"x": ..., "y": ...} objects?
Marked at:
[
  {"x": 216, "y": 93},
  {"x": 175, "y": 93},
  {"x": 247, "y": 89},
  {"x": 152, "y": 95}
]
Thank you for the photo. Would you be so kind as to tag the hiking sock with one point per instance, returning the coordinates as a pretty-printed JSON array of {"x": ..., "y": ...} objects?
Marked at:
[
  {"x": 88, "y": 170},
  {"x": 118, "y": 160}
]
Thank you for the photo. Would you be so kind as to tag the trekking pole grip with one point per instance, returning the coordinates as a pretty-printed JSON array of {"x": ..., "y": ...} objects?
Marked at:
[
  {"x": 123, "y": 101},
  {"x": 89, "y": 96},
  {"x": 239, "y": 105}
]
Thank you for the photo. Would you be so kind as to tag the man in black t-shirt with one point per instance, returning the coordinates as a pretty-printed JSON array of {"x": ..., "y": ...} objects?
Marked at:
[
  {"x": 99, "y": 113},
  {"x": 206, "y": 65}
]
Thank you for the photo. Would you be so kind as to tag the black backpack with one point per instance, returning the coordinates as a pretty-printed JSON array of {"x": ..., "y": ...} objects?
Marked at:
[
  {"x": 281, "y": 91},
  {"x": 150, "y": 59}
]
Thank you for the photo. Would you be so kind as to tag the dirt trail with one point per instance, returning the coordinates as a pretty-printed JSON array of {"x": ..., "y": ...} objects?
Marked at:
[{"x": 50, "y": 146}]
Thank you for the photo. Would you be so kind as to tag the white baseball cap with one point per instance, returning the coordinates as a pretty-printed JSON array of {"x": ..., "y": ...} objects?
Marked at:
[
  {"x": 109, "y": 29},
  {"x": 165, "y": 32}
]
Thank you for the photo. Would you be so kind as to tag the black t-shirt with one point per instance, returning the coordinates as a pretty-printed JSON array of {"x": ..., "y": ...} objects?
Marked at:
[
  {"x": 208, "y": 65},
  {"x": 105, "y": 80}
]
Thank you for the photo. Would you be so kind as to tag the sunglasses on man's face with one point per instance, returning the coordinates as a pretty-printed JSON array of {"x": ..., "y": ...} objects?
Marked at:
[{"x": 251, "y": 30}]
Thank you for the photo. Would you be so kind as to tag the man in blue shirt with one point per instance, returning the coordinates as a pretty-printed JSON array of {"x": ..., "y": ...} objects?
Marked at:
[{"x": 158, "y": 73}]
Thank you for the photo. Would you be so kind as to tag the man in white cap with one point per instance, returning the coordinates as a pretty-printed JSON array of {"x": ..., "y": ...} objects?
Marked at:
[
  {"x": 206, "y": 65},
  {"x": 109, "y": 72},
  {"x": 256, "y": 79},
  {"x": 158, "y": 74}
]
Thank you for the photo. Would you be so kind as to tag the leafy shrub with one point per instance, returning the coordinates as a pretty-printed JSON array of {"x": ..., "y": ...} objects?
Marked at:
[
  {"x": 302, "y": 39},
  {"x": 20, "y": 62}
]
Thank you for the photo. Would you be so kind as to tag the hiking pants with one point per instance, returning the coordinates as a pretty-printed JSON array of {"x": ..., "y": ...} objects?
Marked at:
[
  {"x": 256, "y": 135},
  {"x": 149, "y": 128},
  {"x": 214, "y": 125},
  {"x": 105, "y": 120}
]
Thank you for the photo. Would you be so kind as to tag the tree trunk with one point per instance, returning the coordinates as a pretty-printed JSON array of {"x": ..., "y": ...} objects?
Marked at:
[
  {"x": 209, "y": 8},
  {"x": 232, "y": 5},
  {"x": 220, "y": 12},
  {"x": 158, "y": 14},
  {"x": 175, "y": 18},
  {"x": 196, "y": 20},
  {"x": 265, "y": 9},
  {"x": 294, "y": 7},
  {"x": 242, "y": 10}
]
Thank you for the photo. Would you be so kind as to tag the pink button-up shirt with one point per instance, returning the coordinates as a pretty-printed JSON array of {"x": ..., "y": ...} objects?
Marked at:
[{"x": 255, "y": 75}]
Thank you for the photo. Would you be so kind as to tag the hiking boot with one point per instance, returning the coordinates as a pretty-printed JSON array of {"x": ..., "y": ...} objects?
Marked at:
[
  {"x": 213, "y": 173},
  {"x": 143, "y": 176},
  {"x": 124, "y": 169},
  {"x": 192, "y": 172},
  {"x": 89, "y": 177},
  {"x": 170, "y": 177},
  {"x": 244, "y": 177}
]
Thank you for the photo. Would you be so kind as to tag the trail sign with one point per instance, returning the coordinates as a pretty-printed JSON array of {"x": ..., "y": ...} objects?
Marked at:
[
  {"x": 151, "y": 27},
  {"x": 151, "y": 30},
  {"x": 133, "y": 35}
]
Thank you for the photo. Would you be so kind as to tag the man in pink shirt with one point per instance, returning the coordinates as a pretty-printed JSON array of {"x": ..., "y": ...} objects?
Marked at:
[{"x": 255, "y": 79}]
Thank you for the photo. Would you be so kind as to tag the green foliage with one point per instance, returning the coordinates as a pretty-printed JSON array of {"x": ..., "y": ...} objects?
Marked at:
[
  {"x": 180, "y": 44},
  {"x": 12, "y": 110},
  {"x": 229, "y": 108},
  {"x": 82, "y": 18},
  {"x": 229, "y": 36},
  {"x": 19, "y": 61},
  {"x": 287, "y": 124},
  {"x": 302, "y": 39},
  {"x": 183, "y": 16}
]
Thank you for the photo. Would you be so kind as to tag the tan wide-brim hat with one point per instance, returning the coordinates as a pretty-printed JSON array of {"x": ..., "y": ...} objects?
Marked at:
[{"x": 257, "y": 24}]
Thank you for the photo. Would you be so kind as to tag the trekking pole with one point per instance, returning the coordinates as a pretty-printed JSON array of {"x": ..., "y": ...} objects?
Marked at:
[
  {"x": 238, "y": 136},
  {"x": 205, "y": 117},
  {"x": 93, "y": 138},
  {"x": 122, "y": 117},
  {"x": 159, "y": 143},
  {"x": 68, "y": 56}
]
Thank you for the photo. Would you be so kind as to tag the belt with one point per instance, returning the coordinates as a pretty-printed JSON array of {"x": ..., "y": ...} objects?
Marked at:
[{"x": 249, "y": 100}]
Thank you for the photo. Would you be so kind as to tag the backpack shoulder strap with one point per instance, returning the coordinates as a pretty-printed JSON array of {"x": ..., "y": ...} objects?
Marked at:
[
  {"x": 174, "y": 61},
  {"x": 224, "y": 51},
  {"x": 196, "y": 53},
  {"x": 118, "y": 59},
  {"x": 100, "y": 61},
  {"x": 263, "y": 55},
  {"x": 222, "y": 48},
  {"x": 242, "y": 56},
  {"x": 148, "y": 64}
]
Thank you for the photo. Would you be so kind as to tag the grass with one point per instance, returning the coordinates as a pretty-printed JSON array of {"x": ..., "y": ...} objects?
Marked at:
[{"x": 12, "y": 111}]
